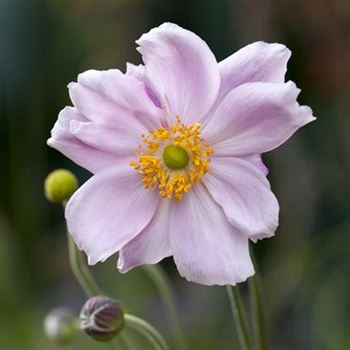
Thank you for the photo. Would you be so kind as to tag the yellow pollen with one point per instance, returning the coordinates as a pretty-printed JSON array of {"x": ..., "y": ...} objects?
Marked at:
[{"x": 172, "y": 183}]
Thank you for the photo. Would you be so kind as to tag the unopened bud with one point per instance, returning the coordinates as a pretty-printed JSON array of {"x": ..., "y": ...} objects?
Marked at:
[
  {"x": 60, "y": 185},
  {"x": 102, "y": 318},
  {"x": 60, "y": 325}
]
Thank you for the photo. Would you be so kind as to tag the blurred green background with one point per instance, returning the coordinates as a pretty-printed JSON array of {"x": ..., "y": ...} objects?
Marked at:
[{"x": 305, "y": 268}]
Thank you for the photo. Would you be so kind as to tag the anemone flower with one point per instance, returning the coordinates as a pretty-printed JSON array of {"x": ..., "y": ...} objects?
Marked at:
[{"x": 175, "y": 148}]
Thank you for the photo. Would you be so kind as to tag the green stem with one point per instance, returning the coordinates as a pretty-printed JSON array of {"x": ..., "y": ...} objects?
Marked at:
[
  {"x": 147, "y": 330},
  {"x": 239, "y": 317},
  {"x": 162, "y": 282},
  {"x": 258, "y": 311},
  {"x": 80, "y": 270}
]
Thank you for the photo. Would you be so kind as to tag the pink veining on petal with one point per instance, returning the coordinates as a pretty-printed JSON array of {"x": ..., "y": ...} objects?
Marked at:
[
  {"x": 111, "y": 97},
  {"x": 139, "y": 73},
  {"x": 255, "y": 62},
  {"x": 151, "y": 245},
  {"x": 108, "y": 211},
  {"x": 120, "y": 140},
  {"x": 245, "y": 196},
  {"x": 255, "y": 118},
  {"x": 87, "y": 156},
  {"x": 206, "y": 248},
  {"x": 182, "y": 71}
]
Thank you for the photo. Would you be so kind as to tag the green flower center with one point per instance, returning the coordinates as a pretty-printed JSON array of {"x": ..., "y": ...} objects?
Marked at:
[{"x": 175, "y": 157}]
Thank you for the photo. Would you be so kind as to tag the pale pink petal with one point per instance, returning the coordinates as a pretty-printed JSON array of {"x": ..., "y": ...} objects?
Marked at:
[
  {"x": 207, "y": 249},
  {"x": 258, "y": 61},
  {"x": 245, "y": 196},
  {"x": 87, "y": 156},
  {"x": 139, "y": 73},
  {"x": 111, "y": 97},
  {"x": 109, "y": 210},
  {"x": 182, "y": 70},
  {"x": 119, "y": 140},
  {"x": 151, "y": 245},
  {"x": 256, "y": 118},
  {"x": 135, "y": 70},
  {"x": 257, "y": 161}
]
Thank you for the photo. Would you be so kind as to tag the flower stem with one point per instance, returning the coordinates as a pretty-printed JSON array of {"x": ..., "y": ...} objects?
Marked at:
[
  {"x": 239, "y": 317},
  {"x": 80, "y": 270},
  {"x": 162, "y": 282},
  {"x": 147, "y": 331},
  {"x": 258, "y": 312}
]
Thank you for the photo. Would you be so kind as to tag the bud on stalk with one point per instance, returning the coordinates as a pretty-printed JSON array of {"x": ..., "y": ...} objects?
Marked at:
[
  {"x": 59, "y": 185},
  {"x": 102, "y": 318}
]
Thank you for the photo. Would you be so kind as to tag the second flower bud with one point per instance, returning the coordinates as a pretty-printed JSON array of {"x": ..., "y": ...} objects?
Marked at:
[{"x": 102, "y": 318}]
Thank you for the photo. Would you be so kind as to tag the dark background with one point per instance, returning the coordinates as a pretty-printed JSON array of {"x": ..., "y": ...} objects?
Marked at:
[{"x": 305, "y": 268}]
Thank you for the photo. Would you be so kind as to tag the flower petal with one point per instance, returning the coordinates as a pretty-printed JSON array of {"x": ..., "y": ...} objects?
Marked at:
[
  {"x": 139, "y": 73},
  {"x": 182, "y": 70},
  {"x": 135, "y": 70},
  {"x": 67, "y": 143},
  {"x": 256, "y": 118},
  {"x": 257, "y": 161},
  {"x": 120, "y": 140},
  {"x": 151, "y": 245},
  {"x": 206, "y": 248},
  {"x": 111, "y": 97},
  {"x": 258, "y": 61},
  {"x": 245, "y": 196},
  {"x": 109, "y": 210}
]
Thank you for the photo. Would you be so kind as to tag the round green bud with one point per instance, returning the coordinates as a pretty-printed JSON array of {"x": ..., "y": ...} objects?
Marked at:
[
  {"x": 175, "y": 157},
  {"x": 60, "y": 185},
  {"x": 102, "y": 318},
  {"x": 60, "y": 326}
]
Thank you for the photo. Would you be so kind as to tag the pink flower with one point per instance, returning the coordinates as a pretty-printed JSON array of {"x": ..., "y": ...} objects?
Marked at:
[{"x": 174, "y": 146}]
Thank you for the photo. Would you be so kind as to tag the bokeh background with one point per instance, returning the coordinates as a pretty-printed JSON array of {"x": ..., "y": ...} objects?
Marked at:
[{"x": 305, "y": 268}]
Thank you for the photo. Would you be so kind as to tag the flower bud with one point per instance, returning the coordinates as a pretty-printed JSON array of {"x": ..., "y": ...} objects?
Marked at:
[
  {"x": 59, "y": 185},
  {"x": 102, "y": 318},
  {"x": 60, "y": 325}
]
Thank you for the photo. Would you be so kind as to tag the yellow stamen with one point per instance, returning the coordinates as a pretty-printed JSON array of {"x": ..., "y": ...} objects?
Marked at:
[{"x": 172, "y": 182}]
